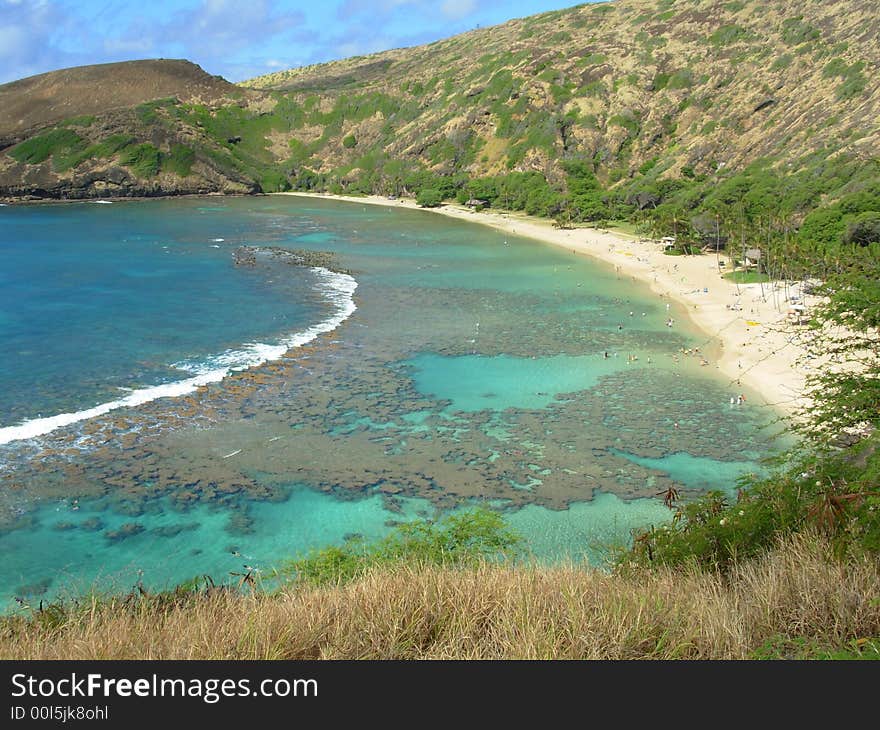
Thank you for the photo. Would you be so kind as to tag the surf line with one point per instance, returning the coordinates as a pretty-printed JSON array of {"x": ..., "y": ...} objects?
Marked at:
[{"x": 338, "y": 289}]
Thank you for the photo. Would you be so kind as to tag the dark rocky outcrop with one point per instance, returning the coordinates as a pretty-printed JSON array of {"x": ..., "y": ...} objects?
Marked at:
[{"x": 251, "y": 256}]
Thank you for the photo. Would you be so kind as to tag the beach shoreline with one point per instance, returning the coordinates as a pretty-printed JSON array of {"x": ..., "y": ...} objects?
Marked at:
[{"x": 760, "y": 348}]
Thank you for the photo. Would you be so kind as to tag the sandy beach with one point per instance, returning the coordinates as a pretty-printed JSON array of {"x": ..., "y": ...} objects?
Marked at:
[{"x": 759, "y": 346}]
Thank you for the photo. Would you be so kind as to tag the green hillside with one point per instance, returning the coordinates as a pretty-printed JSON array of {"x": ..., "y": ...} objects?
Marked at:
[
  {"x": 699, "y": 117},
  {"x": 674, "y": 87}
]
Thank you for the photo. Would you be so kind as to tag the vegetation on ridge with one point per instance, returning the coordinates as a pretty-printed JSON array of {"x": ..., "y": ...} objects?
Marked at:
[{"x": 641, "y": 94}]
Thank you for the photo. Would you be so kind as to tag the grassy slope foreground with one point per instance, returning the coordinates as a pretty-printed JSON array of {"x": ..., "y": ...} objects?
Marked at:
[{"x": 794, "y": 601}]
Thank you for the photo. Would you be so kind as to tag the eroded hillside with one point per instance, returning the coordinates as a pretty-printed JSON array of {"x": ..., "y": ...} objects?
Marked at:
[
  {"x": 630, "y": 90},
  {"x": 627, "y": 84}
]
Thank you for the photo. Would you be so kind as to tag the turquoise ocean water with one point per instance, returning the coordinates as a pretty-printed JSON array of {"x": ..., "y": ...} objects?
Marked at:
[{"x": 165, "y": 413}]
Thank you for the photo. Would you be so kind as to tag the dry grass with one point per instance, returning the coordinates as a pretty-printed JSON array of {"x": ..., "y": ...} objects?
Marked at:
[{"x": 491, "y": 612}]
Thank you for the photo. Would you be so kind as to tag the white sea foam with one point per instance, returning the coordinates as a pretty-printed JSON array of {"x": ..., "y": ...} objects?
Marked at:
[
  {"x": 102, "y": 202},
  {"x": 338, "y": 289}
]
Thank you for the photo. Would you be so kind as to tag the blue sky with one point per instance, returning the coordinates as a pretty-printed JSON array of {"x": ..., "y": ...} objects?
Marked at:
[{"x": 238, "y": 39}]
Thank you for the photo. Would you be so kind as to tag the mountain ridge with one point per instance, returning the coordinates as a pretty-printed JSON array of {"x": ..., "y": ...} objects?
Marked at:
[
  {"x": 40, "y": 100},
  {"x": 622, "y": 71},
  {"x": 634, "y": 91}
]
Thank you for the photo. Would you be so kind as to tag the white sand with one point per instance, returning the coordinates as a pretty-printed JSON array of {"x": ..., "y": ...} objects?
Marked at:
[{"x": 759, "y": 346}]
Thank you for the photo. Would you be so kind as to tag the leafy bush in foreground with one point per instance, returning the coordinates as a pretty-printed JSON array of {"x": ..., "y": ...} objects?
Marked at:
[
  {"x": 835, "y": 494},
  {"x": 458, "y": 539}
]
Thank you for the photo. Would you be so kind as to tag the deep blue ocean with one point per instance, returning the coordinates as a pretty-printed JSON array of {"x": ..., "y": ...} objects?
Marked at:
[{"x": 97, "y": 301}]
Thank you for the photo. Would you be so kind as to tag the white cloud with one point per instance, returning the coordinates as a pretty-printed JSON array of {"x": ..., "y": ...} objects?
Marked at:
[
  {"x": 363, "y": 47},
  {"x": 13, "y": 41},
  {"x": 218, "y": 27},
  {"x": 458, "y": 9},
  {"x": 142, "y": 46},
  {"x": 27, "y": 32}
]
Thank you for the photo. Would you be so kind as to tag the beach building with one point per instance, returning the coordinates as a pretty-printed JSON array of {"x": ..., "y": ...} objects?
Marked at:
[{"x": 752, "y": 258}]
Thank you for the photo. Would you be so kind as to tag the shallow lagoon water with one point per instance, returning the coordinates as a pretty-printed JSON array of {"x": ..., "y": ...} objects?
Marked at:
[
  {"x": 472, "y": 372},
  {"x": 475, "y": 383}
]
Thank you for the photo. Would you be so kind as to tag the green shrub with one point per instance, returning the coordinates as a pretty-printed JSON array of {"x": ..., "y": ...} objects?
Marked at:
[
  {"x": 85, "y": 120},
  {"x": 179, "y": 160},
  {"x": 864, "y": 229},
  {"x": 592, "y": 59},
  {"x": 273, "y": 181},
  {"x": 795, "y": 31},
  {"x": 110, "y": 146},
  {"x": 349, "y": 141},
  {"x": 830, "y": 493},
  {"x": 143, "y": 160},
  {"x": 104, "y": 149},
  {"x": 835, "y": 67},
  {"x": 456, "y": 540},
  {"x": 681, "y": 79},
  {"x": 727, "y": 34},
  {"x": 429, "y": 198},
  {"x": 627, "y": 121},
  {"x": 853, "y": 84},
  {"x": 594, "y": 88},
  {"x": 709, "y": 127},
  {"x": 40, "y": 148},
  {"x": 660, "y": 81},
  {"x": 781, "y": 62},
  {"x": 148, "y": 112},
  {"x": 559, "y": 93},
  {"x": 648, "y": 165}
]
